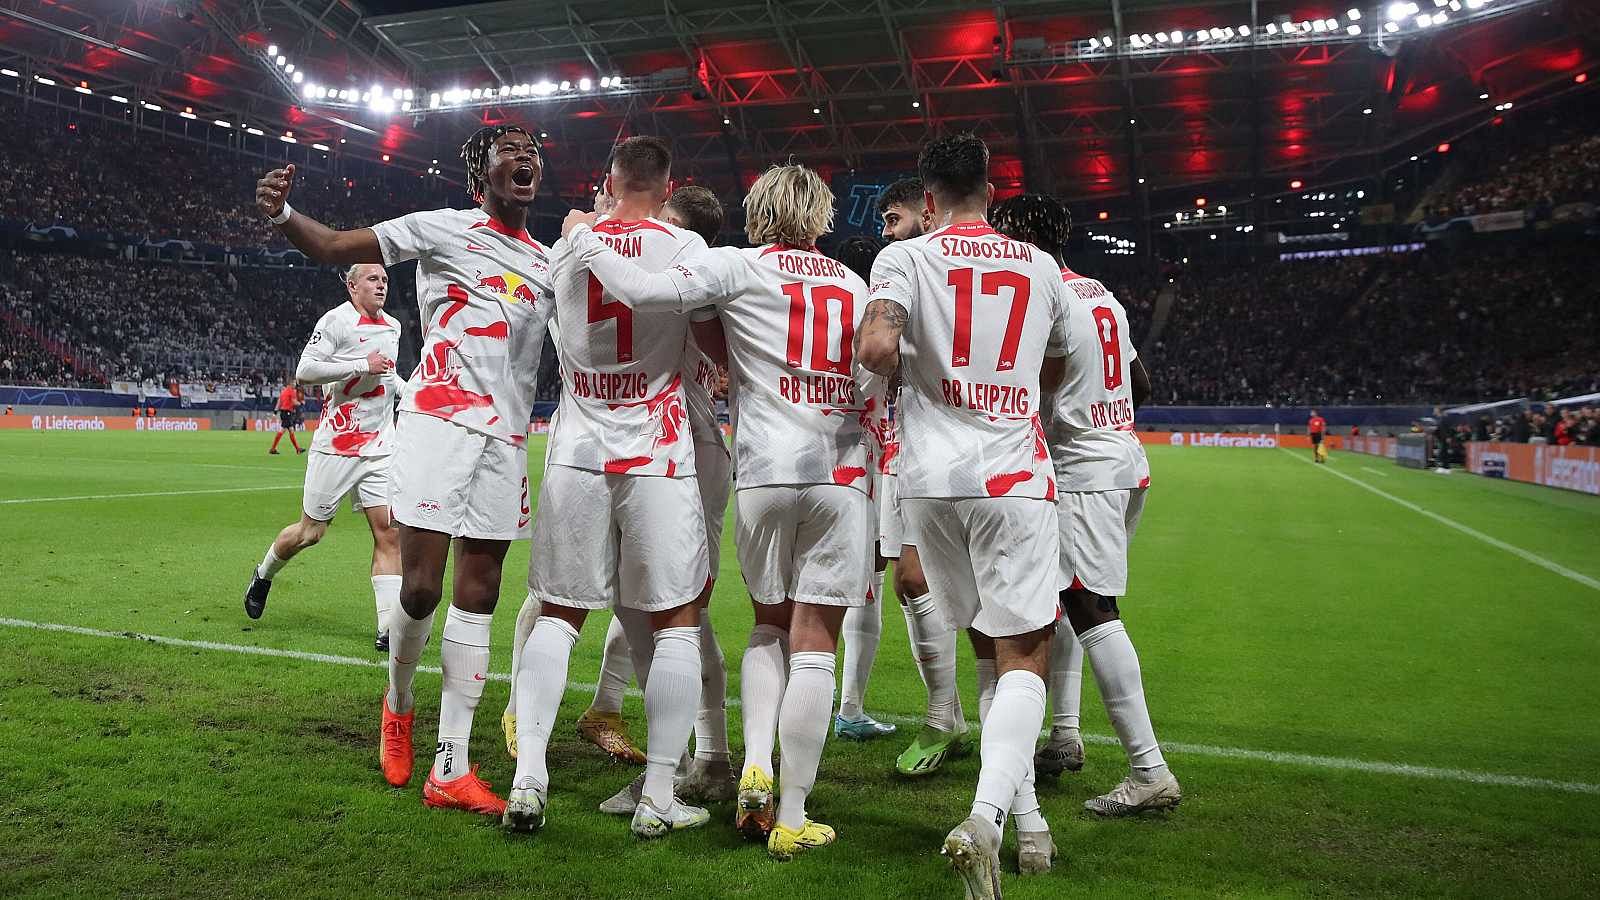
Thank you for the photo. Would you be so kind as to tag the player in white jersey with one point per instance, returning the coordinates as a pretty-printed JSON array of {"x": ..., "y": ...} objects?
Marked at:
[
  {"x": 803, "y": 456},
  {"x": 1103, "y": 475},
  {"x": 620, "y": 523},
  {"x": 352, "y": 352},
  {"x": 933, "y": 636},
  {"x": 965, "y": 315},
  {"x": 459, "y": 473},
  {"x": 709, "y": 776}
]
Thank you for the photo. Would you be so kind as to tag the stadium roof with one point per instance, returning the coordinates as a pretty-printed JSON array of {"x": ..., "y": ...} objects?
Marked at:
[{"x": 840, "y": 84}]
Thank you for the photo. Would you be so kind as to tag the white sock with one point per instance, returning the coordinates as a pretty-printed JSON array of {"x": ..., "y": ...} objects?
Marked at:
[
  {"x": 541, "y": 680},
  {"x": 863, "y": 626},
  {"x": 270, "y": 565},
  {"x": 641, "y": 637},
  {"x": 1116, "y": 670},
  {"x": 1007, "y": 748},
  {"x": 616, "y": 670},
  {"x": 407, "y": 637},
  {"x": 711, "y": 724},
  {"x": 933, "y": 645},
  {"x": 1066, "y": 678},
  {"x": 386, "y": 593},
  {"x": 762, "y": 676},
  {"x": 671, "y": 698},
  {"x": 802, "y": 730},
  {"x": 464, "y": 657},
  {"x": 1025, "y": 808},
  {"x": 526, "y": 616},
  {"x": 987, "y": 676}
]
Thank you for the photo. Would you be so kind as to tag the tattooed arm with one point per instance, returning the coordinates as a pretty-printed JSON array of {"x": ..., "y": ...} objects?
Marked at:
[{"x": 878, "y": 338}]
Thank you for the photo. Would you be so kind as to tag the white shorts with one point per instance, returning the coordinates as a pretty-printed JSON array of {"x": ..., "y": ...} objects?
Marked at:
[
  {"x": 991, "y": 561},
  {"x": 329, "y": 477},
  {"x": 1096, "y": 529},
  {"x": 891, "y": 521},
  {"x": 447, "y": 478},
  {"x": 713, "y": 469},
  {"x": 807, "y": 543},
  {"x": 603, "y": 540}
]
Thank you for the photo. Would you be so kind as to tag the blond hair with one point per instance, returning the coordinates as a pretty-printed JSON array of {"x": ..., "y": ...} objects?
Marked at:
[
  {"x": 350, "y": 273},
  {"x": 788, "y": 205}
]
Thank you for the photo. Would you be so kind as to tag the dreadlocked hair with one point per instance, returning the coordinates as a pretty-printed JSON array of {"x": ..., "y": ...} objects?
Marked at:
[
  {"x": 1035, "y": 218},
  {"x": 476, "y": 154}
]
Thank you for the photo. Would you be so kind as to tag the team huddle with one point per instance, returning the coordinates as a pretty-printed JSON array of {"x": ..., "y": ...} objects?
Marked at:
[{"x": 962, "y": 405}]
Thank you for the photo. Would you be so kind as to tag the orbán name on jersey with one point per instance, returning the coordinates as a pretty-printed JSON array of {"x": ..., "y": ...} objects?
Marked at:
[
  {"x": 358, "y": 416},
  {"x": 1090, "y": 420},
  {"x": 981, "y": 310},
  {"x": 484, "y": 294},
  {"x": 622, "y": 396}
]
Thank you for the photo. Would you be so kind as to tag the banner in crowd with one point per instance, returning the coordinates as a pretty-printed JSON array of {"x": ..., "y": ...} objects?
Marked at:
[
  {"x": 1571, "y": 467},
  {"x": 1373, "y": 445},
  {"x": 104, "y": 423},
  {"x": 1246, "y": 440}
]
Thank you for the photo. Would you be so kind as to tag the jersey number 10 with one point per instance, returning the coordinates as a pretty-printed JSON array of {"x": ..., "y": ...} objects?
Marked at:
[{"x": 822, "y": 327}]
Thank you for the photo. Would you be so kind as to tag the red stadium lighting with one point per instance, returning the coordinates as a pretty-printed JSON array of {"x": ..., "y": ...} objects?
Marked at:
[
  {"x": 1444, "y": 147},
  {"x": 1296, "y": 184},
  {"x": 1199, "y": 201},
  {"x": 1104, "y": 215}
]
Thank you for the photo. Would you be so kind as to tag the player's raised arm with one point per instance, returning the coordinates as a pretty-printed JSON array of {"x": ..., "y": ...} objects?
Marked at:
[
  {"x": 683, "y": 287},
  {"x": 316, "y": 240}
]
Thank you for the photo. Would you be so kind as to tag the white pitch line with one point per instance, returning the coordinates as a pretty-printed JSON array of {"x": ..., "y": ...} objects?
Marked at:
[
  {"x": 1378, "y": 472},
  {"x": 1467, "y": 530},
  {"x": 1337, "y": 763},
  {"x": 240, "y": 490}
]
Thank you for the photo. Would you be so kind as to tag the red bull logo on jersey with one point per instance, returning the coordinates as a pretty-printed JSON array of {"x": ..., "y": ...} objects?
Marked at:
[{"x": 509, "y": 285}]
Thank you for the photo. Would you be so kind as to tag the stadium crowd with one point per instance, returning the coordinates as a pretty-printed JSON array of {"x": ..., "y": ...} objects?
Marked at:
[
  {"x": 1557, "y": 161},
  {"x": 94, "y": 175}
]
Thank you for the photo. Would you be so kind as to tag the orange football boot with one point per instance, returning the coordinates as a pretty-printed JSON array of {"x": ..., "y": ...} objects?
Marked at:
[
  {"x": 395, "y": 751},
  {"x": 469, "y": 792}
]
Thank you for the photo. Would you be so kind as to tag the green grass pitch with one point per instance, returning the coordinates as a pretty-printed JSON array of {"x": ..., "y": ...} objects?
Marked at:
[{"x": 1303, "y": 641}]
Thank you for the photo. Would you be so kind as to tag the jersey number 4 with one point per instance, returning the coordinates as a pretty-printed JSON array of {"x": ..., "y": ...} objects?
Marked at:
[
  {"x": 992, "y": 283},
  {"x": 1105, "y": 328},
  {"x": 601, "y": 309},
  {"x": 823, "y": 327}
]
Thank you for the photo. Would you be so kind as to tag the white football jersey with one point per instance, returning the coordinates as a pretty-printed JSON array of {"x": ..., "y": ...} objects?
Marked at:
[
  {"x": 799, "y": 403},
  {"x": 483, "y": 292},
  {"x": 622, "y": 398},
  {"x": 1090, "y": 422},
  {"x": 981, "y": 310},
  {"x": 358, "y": 410},
  {"x": 699, "y": 392}
]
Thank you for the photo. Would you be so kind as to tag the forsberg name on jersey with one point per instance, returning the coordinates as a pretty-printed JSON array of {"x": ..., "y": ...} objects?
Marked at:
[
  {"x": 813, "y": 265},
  {"x": 1003, "y": 249},
  {"x": 819, "y": 390},
  {"x": 995, "y": 399}
]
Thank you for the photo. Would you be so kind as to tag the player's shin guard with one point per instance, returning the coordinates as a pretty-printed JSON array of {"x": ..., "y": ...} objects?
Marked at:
[
  {"x": 1007, "y": 750},
  {"x": 616, "y": 670},
  {"x": 802, "y": 730},
  {"x": 1025, "y": 808},
  {"x": 1066, "y": 678},
  {"x": 1116, "y": 669},
  {"x": 407, "y": 637},
  {"x": 863, "y": 627},
  {"x": 386, "y": 595},
  {"x": 671, "y": 699},
  {"x": 526, "y": 617},
  {"x": 541, "y": 680},
  {"x": 762, "y": 676},
  {"x": 464, "y": 657},
  {"x": 711, "y": 724},
  {"x": 933, "y": 645}
]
